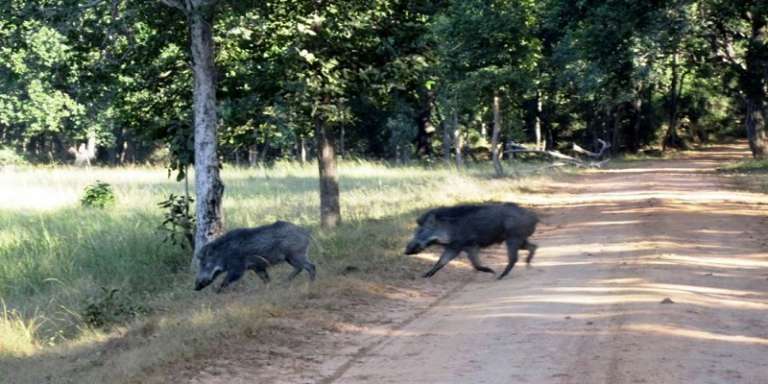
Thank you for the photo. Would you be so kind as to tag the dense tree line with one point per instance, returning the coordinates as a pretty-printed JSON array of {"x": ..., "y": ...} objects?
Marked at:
[
  {"x": 384, "y": 79},
  {"x": 387, "y": 79}
]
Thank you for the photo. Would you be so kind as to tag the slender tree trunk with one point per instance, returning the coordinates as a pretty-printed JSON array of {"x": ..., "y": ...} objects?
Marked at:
[
  {"x": 302, "y": 150},
  {"x": 672, "y": 139},
  {"x": 457, "y": 140},
  {"x": 424, "y": 124},
  {"x": 499, "y": 171},
  {"x": 755, "y": 124},
  {"x": 447, "y": 141},
  {"x": 637, "y": 106},
  {"x": 613, "y": 116},
  {"x": 208, "y": 186},
  {"x": 116, "y": 152},
  {"x": 537, "y": 122},
  {"x": 253, "y": 149},
  {"x": 264, "y": 149},
  {"x": 330, "y": 212}
]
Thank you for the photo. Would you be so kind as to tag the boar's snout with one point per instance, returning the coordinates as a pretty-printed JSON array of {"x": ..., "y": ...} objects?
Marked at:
[
  {"x": 413, "y": 248},
  {"x": 201, "y": 283}
]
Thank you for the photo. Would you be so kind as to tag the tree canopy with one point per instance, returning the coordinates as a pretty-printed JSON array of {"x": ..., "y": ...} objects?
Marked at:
[{"x": 388, "y": 79}]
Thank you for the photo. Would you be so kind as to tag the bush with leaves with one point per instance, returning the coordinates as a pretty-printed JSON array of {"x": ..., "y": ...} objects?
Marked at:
[
  {"x": 110, "y": 307},
  {"x": 10, "y": 157},
  {"x": 179, "y": 223},
  {"x": 98, "y": 195}
]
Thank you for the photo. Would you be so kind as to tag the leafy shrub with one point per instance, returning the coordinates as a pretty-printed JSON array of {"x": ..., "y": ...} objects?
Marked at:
[
  {"x": 109, "y": 307},
  {"x": 10, "y": 157},
  {"x": 98, "y": 195},
  {"x": 179, "y": 223}
]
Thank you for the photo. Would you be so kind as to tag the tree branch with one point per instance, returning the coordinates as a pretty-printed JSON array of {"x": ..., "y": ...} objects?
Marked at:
[{"x": 519, "y": 148}]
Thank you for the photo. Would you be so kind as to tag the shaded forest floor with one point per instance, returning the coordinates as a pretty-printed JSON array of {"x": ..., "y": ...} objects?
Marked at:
[{"x": 653, "y": 272}]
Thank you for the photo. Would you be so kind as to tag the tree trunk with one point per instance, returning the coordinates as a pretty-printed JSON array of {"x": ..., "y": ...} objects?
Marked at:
[
  {"x": 753, "y": 82},
  {"x": 424, "y": 125},
  {"x": 637, "y": 106},
  {"x": 613, "y": 115},
  {"x": 302, "y": 150},
  {"x": 672, "y": 139},
  {"x": 330, "y": 212},
  {"x": 208, "y": 186},
  {"x": 447, "y": 141},
  {"x": 499, "y": 171},
  {"x": 264, "y": 149},
  {"x": 457, "y": 140},
  {"x": 253, "y": 149},
  {"x": 755, "y": 124},
  {"x": 537, "y": 122}
]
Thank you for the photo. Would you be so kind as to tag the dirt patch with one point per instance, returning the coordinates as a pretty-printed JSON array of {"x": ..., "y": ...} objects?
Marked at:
[{"x": 650, "y": 273}]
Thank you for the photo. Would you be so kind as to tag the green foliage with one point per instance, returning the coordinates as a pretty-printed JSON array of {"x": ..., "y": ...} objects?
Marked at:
[
  {"x": 178, "y": 223},
  {"x": 98, "y": 195},
  {"x": 10, "y": 157},
  {"x": 111, "y": 307},
  {"x": 378, "y": 69}
]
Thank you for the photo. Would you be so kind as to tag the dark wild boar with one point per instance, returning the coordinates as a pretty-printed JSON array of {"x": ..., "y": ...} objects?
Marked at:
[
  {"x": 256, "y": 249},
  {"x": 473, "y": 226}
]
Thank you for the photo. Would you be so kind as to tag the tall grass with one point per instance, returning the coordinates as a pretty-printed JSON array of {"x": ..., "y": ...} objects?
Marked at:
[{"x": 60, "y": 262}]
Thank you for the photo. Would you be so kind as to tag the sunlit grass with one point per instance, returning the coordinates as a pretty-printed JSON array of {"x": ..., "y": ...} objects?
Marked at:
[
  {"x": 750, "y": 165},
  {"x": 57, "y": 257},
  {"x": 749, "y": 174}
]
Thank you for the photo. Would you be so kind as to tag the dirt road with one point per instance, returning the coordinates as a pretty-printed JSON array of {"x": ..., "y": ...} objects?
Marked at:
[{"x": 651, "y": 274}]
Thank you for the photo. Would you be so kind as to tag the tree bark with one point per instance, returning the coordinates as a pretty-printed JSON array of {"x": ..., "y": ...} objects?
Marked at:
[
  {"x": 755, "y": 124},
  {"x": 753, "y": 82},
  {"x": 253, "y": 149},
  {"x": 499, "y": 171},
  {"x": 424, "y": 125},
  {"x": 330, "y": 212},
  {"x": 302, "y": 150},
  {"x": 537, "y": 121},
  {"x": 457, "y": 140},
  {"x": 672, "y": 139},
  {"x": 208, "y": 185},
  {"x": 447, "y": 141}
]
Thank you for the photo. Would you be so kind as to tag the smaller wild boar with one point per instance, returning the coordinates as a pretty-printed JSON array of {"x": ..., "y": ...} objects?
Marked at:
[
  {"x": 473, "y": 226},
  {"x": 256, "y": 249}
]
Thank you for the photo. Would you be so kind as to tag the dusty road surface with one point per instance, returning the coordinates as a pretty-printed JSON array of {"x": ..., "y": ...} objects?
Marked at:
[{"x": 651, "y": 274}]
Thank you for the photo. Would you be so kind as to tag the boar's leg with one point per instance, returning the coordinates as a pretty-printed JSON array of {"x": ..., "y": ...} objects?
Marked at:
[
  {"x": 472, "y": 255},
  {"x": 300, "y": 265},
  {"x": 232, "y": 276},
  {"x": 296, "y": 270},
  {"x": 301, "y": 262},
  {"x": 262, "y": 273},
  {"x": 448, "y": 255},
  {"x": 531, "y": 248},
  {"x": 512, "y": 246},
  {"x": 310, "y": 268}
]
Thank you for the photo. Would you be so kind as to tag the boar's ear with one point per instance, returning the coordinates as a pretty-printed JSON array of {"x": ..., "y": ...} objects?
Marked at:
[{"x": 430, "y": 220}]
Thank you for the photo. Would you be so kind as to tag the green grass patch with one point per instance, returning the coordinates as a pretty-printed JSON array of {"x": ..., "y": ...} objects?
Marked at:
[
  {"x": 746, "y": 166},
  {"x": 74, "y": 279}
]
